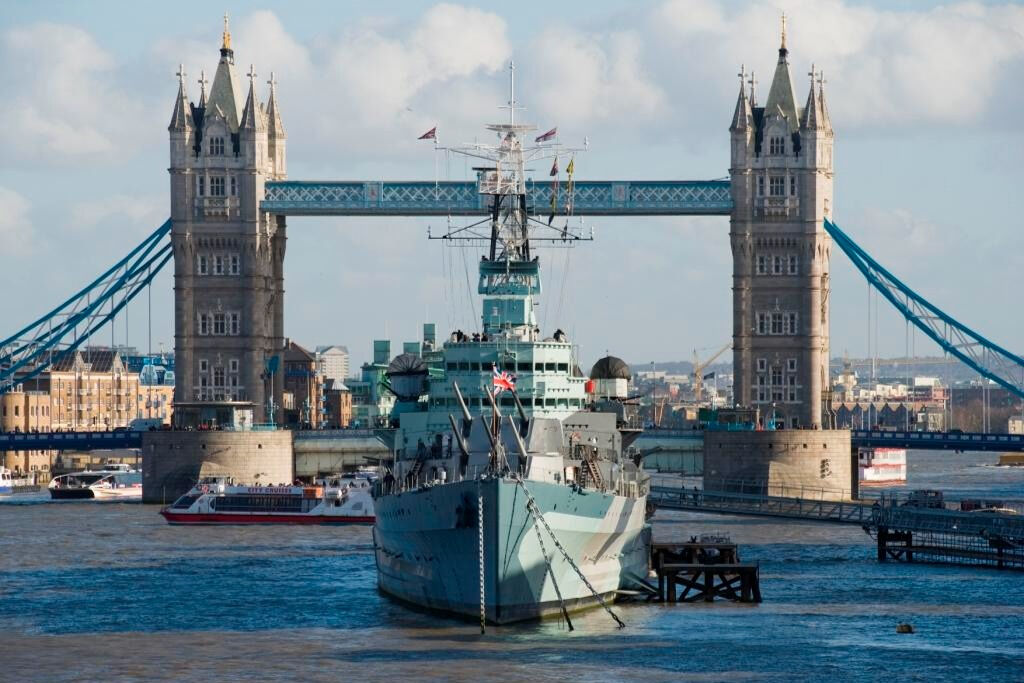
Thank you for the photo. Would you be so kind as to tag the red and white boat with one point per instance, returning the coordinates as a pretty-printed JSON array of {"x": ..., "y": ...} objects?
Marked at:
[
  {"x": 343, "y": 499},
  {"x": 882, "y": 466}
]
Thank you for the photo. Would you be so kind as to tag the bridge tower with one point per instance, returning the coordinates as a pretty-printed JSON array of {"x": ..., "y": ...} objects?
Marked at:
[
  {"x": 781, "y": 173},
  {"x": 228, "y": 256}
]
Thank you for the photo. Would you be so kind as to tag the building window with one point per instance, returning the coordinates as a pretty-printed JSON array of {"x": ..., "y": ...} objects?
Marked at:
[
  {"x": 204, "y": 324},
  {"x": 792, "y": 265},
  {"x": 762, "y": 364},
  {"x": 218, "y": 265},
  {"x": 202, "y": 185},
  {"x": 234, "y": 186},
  {"x": 790, "y": 323},
  {"x": 233, "y": 365},
  {"x": 218, "y": 376},
  {"x": 217, "y": 186},
  {"x": 777, "y": 186},
  {"x": 203, "y": 265},
  {"x": 217, "y": 146},
  {"x": 791, "y": 364},
  {"x": 219, "y": 324},
  {"x": 777, "y": 265},
  {"x": 776, "y": 323},
  {"x": 760, "y": 186},
  {"x": 791, "y": 396},
  {"x": 236, "y": 264},
  {"x": 762, "y": 323},
  {"x": 762, "y": 395},
  {"x": 792, "y": 185},
  {"x": 233, "y": 324},
  {"x": 776, "y": 145},
  {"x": 204, "y": 365},
  {"x": 762, "y": 265}
]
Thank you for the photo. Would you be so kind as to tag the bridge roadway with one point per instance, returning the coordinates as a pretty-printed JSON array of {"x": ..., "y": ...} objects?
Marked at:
[
  {"x": 654, "y": 440},
  {"x": 462, "y": 198}
]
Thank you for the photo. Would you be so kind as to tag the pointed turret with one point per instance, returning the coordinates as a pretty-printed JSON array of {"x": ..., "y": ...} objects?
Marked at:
[
  {"x": 275, "y": 129},
  {"x": 742, "y": 117},
  {"x": 781, "y": 96},
  {"x": 812, "y": 111},
  {"x": 252, "y": 113},
  {"x": 202, "y": 89},
  {"x": 225, "y": 94},
  {"x": 181, "y": 118},
  {"x": 826, "y": 121}
]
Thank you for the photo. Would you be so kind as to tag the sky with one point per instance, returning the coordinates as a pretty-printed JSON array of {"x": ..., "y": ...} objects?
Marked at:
[{"x": 924, "y": 98}]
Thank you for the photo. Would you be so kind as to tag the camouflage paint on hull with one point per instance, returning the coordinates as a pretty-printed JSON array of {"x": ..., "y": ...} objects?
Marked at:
[{"x": 426, "y": 546}]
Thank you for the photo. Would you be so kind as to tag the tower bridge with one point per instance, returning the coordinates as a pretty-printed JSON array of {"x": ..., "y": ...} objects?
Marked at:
[{"x": 230, "y": 198}]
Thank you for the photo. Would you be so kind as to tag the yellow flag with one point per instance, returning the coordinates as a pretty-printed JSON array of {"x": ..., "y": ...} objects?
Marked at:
[{"x": 571, "y": 167}]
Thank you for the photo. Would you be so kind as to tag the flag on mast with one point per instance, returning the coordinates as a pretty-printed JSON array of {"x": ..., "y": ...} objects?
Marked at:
[
  {"x": 554, "y": 191},
  {"x": 429, "y": 135},
  {"x": 503, "y": 381},
  {"x": 570, "y": 189},
  {"x": 554, "y": 168},
  {"x": 547, "y": 136}
]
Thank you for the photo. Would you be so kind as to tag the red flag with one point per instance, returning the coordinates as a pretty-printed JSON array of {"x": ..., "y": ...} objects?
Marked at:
[
  {"x": 547, "y": 136},
  {"x": 429, "y": 135},
  {"x": 554, "y": 168},
  {"x": 503, "y": 381}
]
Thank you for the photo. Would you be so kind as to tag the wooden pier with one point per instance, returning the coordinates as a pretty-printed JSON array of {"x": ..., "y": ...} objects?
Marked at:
[{"x": 701, "y": 572}]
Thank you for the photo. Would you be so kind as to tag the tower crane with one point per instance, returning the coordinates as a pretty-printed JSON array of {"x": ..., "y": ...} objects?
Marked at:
[{"x": 698, "y": 370}]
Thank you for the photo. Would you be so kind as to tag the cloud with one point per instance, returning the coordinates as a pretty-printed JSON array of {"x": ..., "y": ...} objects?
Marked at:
[
  {"x": 119, "y": 212},
  {"x": 67, "y": 106},
  {"x": 17, "y": 235}
]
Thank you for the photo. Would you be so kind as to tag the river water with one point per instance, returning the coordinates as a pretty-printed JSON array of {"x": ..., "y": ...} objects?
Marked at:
[{"x": 109, "y": 591}]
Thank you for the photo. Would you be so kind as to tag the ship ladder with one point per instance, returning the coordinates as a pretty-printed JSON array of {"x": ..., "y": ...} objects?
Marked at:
[
  {"x": 531, "y": 505},
  {"x": 593, "y": 473}
]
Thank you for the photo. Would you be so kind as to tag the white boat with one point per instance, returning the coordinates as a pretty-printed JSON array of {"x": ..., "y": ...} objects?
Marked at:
[
  {"x": 882, "y": 466},
  {"x": 113, "y": 482},
  {"x": 339, "y": 499},
  {"x": 11, "y": 485}
]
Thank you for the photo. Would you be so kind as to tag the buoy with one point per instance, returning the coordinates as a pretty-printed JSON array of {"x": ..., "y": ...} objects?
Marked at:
[{"x": 904, "y": 628}]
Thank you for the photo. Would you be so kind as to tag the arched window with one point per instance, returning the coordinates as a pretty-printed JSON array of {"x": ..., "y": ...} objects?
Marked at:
[{"x": 776, "y": 145}]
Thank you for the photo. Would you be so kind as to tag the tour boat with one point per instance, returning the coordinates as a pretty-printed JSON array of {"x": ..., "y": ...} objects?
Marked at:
[
  {"x": 114, "y": 482},
  {"x": 882, "y": 466},
  {"x": 11, "y": 485},
  {"x": 343, "y": 499}
]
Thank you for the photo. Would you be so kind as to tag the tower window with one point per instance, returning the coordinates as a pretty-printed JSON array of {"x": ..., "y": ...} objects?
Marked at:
[
  {"x": 762, "y": 323},
  {"x": 218, "y": 376},
  {"x": 217, "y": 146},
  {"x": 762, "y": 265},
  {"x": 760, "y": 186},
  {"x": 217, "y": 186},
  {"x": 777, "y": 265},
  {"x": 790, "y": 323},
  {"x": 776, "y": 323},
  {"x": 233, "y": 365},
  {"x": 234, "y": 323},
  {"x": 792, "y": 264},
  {"x": 234, "y": 186},
  {"x": 776, "y": 145},
  {"x": 219, "y": 324},
  {"x": 777, "y": 186},
  {"x": 792, "y": 185},
  {"x": 203, "y": 265},
  {"x": 762, "y": 364},
  {"x": 791, "y": 364},
  {"x": 204, "y": 324},
  {"x": 201, "y": 180},
  {"x": 204, "y": 365},
  {"x": 236, "y": 266},
  {"x": 218, "y": 265}
]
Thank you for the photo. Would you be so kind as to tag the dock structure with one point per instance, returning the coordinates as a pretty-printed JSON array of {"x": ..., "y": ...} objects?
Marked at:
[
  {"x": 701, "y": 572},
  {"x": 936, "y": 535},
  {"x": 796, "y": 502}
]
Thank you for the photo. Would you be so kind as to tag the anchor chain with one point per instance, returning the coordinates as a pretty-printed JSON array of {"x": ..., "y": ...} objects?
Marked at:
[
  {"x": 531, "y": 505},
  {"x": 480, "y": 551},
  {"x": 551, "y": 570}
]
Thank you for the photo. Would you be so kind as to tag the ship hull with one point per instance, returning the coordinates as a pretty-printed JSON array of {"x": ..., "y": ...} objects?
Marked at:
[{"x": 427, "y": 548}]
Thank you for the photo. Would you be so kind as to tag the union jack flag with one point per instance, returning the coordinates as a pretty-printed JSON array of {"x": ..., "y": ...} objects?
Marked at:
[{"x": 503, "y": 381}]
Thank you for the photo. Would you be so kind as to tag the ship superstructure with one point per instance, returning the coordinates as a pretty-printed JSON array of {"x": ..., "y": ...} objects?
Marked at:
[{"x": 517, "y": 503}]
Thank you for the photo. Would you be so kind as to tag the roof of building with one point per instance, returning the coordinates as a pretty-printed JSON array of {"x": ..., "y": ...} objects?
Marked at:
[{"x": 225, "y": 93}]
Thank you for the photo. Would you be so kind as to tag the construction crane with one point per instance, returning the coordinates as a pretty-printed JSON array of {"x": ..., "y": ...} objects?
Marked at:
[{"x": 698, "y": 370}]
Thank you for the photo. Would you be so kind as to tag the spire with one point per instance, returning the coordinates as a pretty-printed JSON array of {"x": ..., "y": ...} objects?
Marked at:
[
  {"x": 753, "y": 96},
  {"x": 225, "y": 43},
  {"x": 274, "y": 126},
  {"x": 252, "y": 114},
  {"x": 812, "y": 115},
  {"x": 202, "y": 88},
  {"x": 781, "y": 96},
  {"x": 826, "y": 121},
  {"x": 224, "y": 93},
  {"x": 781, "y": 49},
  {"x": 742, "y": 117},
  {"x": 181, "y": 118}
]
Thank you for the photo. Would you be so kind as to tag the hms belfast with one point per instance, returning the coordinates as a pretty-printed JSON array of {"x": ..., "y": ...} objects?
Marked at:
[{"x": 512, "y": 494}]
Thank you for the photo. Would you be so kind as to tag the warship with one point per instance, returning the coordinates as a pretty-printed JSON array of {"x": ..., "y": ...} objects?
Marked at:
[{"x": 513, "y": 493}]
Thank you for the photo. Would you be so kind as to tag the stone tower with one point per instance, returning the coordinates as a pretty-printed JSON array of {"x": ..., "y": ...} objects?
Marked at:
[
  {"x": 781, "y": 173},
  {"x": 228, "y": 255}
]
